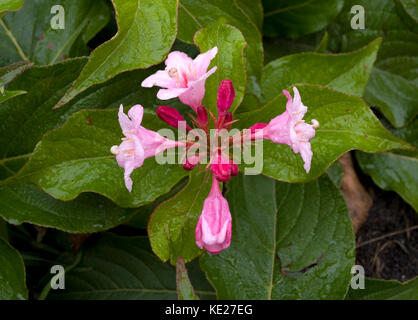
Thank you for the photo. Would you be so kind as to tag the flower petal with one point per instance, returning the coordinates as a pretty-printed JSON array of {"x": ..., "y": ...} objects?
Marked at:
[{"x": 202, "y": 61}]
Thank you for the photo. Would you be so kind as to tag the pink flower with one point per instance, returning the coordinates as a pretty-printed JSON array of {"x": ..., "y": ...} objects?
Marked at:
[
  {"x": 183, "y": 77},
  {"x": 138, "y": 144},
  {"x": 289, "y": 128},
  {"x": 214, "y": 229}
]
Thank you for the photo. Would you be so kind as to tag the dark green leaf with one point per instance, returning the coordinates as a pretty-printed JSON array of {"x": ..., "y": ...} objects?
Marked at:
[
  {"x": 172, "y": 225},
  {"x": 393, "y": 84},
  {"x": 185, "y": 289},
  {"x": 346, "y": 123},
  {"x": 377, "y": 289},
  {"x": 12, "y": 274},
  {"x": 147, "y": 30},
  {"x": 229, "y": 61},
  {"x": 289, "y": 241},
  {"x": 408, "y": 11},
  {"x": 291, "y": 19},
  {"x": 122, "y": 268},
  {"x": 88, "y": 213},
  {"x": 37, "y": 41}
]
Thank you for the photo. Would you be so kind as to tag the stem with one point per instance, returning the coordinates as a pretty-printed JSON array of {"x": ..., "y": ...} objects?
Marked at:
[
  {"x": 13, "y": 39},
  {"x": 47, "y": 288}
]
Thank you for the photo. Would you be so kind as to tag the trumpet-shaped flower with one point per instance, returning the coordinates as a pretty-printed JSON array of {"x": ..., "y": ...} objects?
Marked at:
[
  {"x": 214, "y": 229},
  {"x": 289, "y": 128},
  {"x": 138, "y": 144},
  {"x": 183, "y": 77}
]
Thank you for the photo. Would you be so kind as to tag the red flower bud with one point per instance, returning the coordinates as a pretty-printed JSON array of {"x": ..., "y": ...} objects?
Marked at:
[
  {"x": 226, "y": 95},
  {"x": 170, "y": 116}
]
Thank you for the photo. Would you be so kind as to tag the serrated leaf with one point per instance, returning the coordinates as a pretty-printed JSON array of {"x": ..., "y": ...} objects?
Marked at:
[
  {"x": 378, "y": 289},
  {"x": 229, "y": 61},
  {"x": 12, "y": 274},
  {"x": 196, "y": 14},
  {"x": 291, "y": 19},
  {"x": 37, "y": 41},
  {"x": 393, "y": 87},
  {"x": 348, "y": 73},
  {"x": 185, "y": 289},
  {"x": 346, "y": 123},
  {"x": 289, "y": 241},
  {"x": 9, "y": 73},
  {"x": 172, "y": 225},
  {"x": 121, "y": 268},
  {"x": 146, "y": 32}
]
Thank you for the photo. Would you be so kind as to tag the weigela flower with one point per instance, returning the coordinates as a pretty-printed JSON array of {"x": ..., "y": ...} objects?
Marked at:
[
  {"x": 289, "y": 128},
  {"x": 214, "y": 228},
  {"x": 183, "y": 77},
  {"x": 138, "y": 144}
]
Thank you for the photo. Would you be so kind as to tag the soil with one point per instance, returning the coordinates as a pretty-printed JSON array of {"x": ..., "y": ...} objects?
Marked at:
[{"x": 394, "y": 257}]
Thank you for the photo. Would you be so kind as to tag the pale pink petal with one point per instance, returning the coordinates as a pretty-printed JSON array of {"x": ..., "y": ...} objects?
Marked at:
[
  {"x": 194, "y": 95},
  {"x": 127, "y": 176},
  {"x": 136, "y": 113},
  {"x": 306, "y": 153},
  {"x": 161, "y": 79},
  {"x": 165, "y": 94},
  {"x": 176, "y": 59},
  {"x": 124, "y": 121},
  {"x": 202, "y": 61}
]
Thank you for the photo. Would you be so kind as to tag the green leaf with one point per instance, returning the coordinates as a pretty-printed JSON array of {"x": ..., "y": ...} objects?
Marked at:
[
  {"x": 335, "y": 173},
  {"x": 254, "y": 10},
  {"x": 88, "y": 213},
  {"x": 393, "y": 86},
  {"x": 196, "y": 14},
  {"x": 27, "y": 118},
  {"x": 172, "y": 225},
  {"x": 391, "y": 171},
  {"x": 142, "y": 217},
  {"x": 291, "y": 19},
  {"x": 229, "y": 61},
  {"x": 348, "y": 73},
  {"x": 76, "y": 159},
  {"x": 37, "y": 41},
  {"x": 10, "y": 5},
  {"x": 397, "y": 170},
  {"x": 408, "y": 11},
  {"x": 289, "y": 241},
  {"x": 185, "y": 289},
  {"x": 3, "y": 230},
  {"x": 322, "y": 45},
  {"x": 121, "y": 268},
  {"x": 12, "y": 274},
  {"x": 6, "y": 95},
  {"x": 346, "y": 123},
  {"x": 9, "y": 73},
  {"x": 147, "y": 30},
  {"x": 377, "y": 289}
]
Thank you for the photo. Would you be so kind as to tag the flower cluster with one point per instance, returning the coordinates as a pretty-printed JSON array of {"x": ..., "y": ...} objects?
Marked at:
[{"x": 185, "y": 78}]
